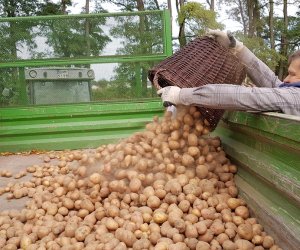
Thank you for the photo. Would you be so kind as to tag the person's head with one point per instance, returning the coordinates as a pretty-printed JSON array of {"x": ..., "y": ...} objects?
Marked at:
[{"x": 294, "y": 68}]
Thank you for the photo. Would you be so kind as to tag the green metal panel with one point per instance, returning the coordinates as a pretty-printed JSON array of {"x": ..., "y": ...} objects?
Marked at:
[
  {"x": 163, "y": 30},
  {"x": 73, "y": 126},
  {"x": 83, "y": 61},
  {"x": 123, "y": 50},
  {"x": 168, "y": 33},
  {"x": 266, "y": 148},
  {"x": 61, "y": 17}
]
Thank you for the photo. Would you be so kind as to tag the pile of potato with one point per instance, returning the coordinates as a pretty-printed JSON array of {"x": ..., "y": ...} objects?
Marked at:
[{"x": 168, "y": 187}]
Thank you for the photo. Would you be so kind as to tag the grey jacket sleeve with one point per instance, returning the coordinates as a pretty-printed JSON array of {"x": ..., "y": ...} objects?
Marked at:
[
  {"x": 259, "y": 72},
  {"x": 233, "y": 97}
]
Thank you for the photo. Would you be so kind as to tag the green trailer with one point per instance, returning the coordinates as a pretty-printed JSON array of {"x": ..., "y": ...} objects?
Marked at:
[{"x": 266, "y": 147}]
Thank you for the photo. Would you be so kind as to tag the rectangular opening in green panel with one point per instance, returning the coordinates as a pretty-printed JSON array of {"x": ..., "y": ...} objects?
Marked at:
[
  {"x": 77, "y": 36},
  {"x": 77, "y": 83}
]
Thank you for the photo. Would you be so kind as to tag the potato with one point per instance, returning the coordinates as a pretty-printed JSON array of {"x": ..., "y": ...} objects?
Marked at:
[
  {"x": 141, "y": 244},
  {"x": 202, "y": 171},
  {"x": 207, "y": 236},
  {"x": 257, "y": 240},
  {"x": 192, "y": 140},
  {"x": 257, "y": 229},
  {"x": 245, "y": 231},
  {"x": 184, "y": 205},
  {"x": 268, "y": 242},
  {"x": 192, "y": 189},
  {"x": 242, "y": 211},
  {"x": 174, "y": 144},
  {"x": 111, "y": 224},
  {"x": 191, "y": 231},
  {"x": 82, "y": 232},
  {"x": 187, "y": 160},
  {"x": 153, "y": 202},
  {"x": 229, "y": 245},
  {"x": 42, "y": 232},
  {"x": 244, "y": 244},
  {"x": 95, "y": 178},
  {"x": 135, "y": 184},
  {"x": 202, "y": 245},
  {"x": 177, "y": 237},
  {"x": 233, "y": 203},
  {"x": 217, "y": 227},
  {"x": 178, "y": 246},
  {"x": 125, "y": 236},
  {"x": 159, "y": 217},
  {"x": 193, "y": 151}
]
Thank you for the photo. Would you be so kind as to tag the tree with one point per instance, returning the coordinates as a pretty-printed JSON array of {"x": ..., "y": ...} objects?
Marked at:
[
  {"x": 238, "y": 12},
  {"x": 181, "y": 22},
  {"x": 284, "y": 42},
  {"x": 64, "y": 4},
  {"x": 13, "y": 36},
  {"x": 211, "y": 4},
  {"x": 139, "y": 35},
  {"x": 271, "y": 24},
  {"x": 49, "y": 8},
  {"x": 196, "y": 18},
  {"x": 14, "y": 8}
]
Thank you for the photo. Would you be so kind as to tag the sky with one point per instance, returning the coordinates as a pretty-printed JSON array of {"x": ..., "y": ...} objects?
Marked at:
[{"x": 223, "y": 17}]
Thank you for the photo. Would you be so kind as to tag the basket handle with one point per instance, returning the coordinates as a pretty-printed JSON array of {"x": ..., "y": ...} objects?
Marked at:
[{"x": 155, "y": 78}]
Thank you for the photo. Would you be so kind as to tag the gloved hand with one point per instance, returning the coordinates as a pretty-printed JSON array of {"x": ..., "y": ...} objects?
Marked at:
[
  {"x": 227, "y": 40},
  {"x": 169, "y": 95}
]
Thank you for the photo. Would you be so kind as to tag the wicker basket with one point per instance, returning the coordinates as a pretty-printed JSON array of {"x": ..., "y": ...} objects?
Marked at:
[{"x": 202, "y": 61}]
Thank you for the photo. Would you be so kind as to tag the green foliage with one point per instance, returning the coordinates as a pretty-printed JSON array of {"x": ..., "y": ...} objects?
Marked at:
[
  {"x": 8, "y": 80},
  {"x": 197, "y": 18},
  {"x": 14, "y": 8},
  {"x": 139, "y": 35},
  {"x": 131, "y": 5},
  {"x": 293, "y": 33},
  {"x": 119, "y": 90},
  {"x": 257, "y": 45},
  {"x": 68, "y": 38},
  {"x": 49, "y": 8}
]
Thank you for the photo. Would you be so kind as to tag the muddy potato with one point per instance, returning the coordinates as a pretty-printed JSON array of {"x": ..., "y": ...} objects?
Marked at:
[
  {"x": 202, "y": 245},
  {"x": 244, "y": 244},
  {"x": 245, "y": 231}
]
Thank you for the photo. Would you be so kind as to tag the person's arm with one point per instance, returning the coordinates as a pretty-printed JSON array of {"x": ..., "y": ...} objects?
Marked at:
[
  {"x": 260, "y": 74},
  {"x": 233, "y": 97},
  {"x": 241, "y": 98},
  {"x": 258, "y": 71}
]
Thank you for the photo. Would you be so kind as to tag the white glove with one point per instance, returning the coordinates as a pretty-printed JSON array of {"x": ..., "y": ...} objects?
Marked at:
[
  {"x": 227, "y": 40},
  {"x": 169, "y": 95}
]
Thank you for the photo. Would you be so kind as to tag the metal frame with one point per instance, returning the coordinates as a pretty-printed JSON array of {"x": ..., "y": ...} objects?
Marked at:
[
  {"x": 266, "y": 149},
  {"x": 21, "y": 64},
  {"x": 48, "y": 127},
  {"x": 101, "y": 59}
]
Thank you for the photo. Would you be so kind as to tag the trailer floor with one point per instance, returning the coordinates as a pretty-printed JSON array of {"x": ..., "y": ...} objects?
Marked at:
[{"x": 16, "y": 164}]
